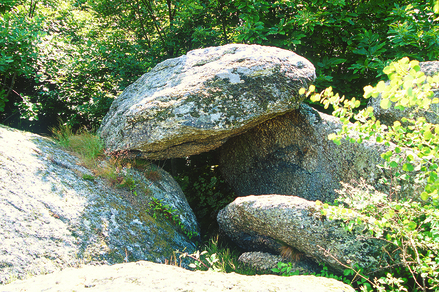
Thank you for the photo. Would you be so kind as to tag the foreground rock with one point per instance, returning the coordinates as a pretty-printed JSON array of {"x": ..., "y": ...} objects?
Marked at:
[
  {"x": 194, "y": 103},
  {"x": 291, "y": 155},
  {"x": 53, "y": 215},
  {"x": 391, "y": 115},
  {"x": 147, "y": 276},
  {"x": 272, "y": 221}
]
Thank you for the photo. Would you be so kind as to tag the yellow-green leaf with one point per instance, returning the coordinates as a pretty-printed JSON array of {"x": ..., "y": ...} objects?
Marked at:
[
  {"x": 425, "y": 196},
  {"x": 389, "y": 69},
  {"x": 332, "y": 136},
  {"x": 408, "y": 167},
  {"x": 368, "y": 90},
  {"x": 385, "y": 103},
  {"x": 315, "y": 98},
  {"x": 411, "y": 225},
  {"x": 428, "y": 135},
  {"x": 381, "y": 86}
]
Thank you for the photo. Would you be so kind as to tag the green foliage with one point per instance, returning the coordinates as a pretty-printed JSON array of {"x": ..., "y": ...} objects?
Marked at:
[
  {"x": 69, "y": 59},
  {"x": 218, "y": 258},
  {"x": 73, "y": 64},
  {"x": 413, "y": 31},
  {"x": 408, "y": 225},
  {"x": 19, "y": 33},
  {"x": 286, "y": 269},
  {"x": 88, "y": 177},
  {"x": 204, "y": 188},
  {"x": 347, "y": 43}
]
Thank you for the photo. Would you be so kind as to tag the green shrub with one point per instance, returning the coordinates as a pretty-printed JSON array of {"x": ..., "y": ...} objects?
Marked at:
[
  {"x": 19, "y": 35},
  {"x": 409, "y": 225},
  {"x": 348, "y": 44}
]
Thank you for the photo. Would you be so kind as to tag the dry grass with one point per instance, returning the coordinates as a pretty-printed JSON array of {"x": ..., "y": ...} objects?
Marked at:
[{"x": 290, "y": 253}]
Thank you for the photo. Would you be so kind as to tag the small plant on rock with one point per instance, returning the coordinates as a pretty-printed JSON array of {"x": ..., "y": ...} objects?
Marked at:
[
  {"x": 114, "y": 167},
  {"x": 88, "y": 146},
  {"x": 218, "y": 258},
  {"x": 159, "y": 209}
]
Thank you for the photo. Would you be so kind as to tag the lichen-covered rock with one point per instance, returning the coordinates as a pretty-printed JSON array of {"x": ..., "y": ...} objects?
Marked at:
[
  {"x": 53, "y": 216},
  {"x": 388, "y": 116},
  {"x": 265, "y": 262},
  {"x": 146, "y": 276},
  {"x": 298, "y": 223},
  {"x": 292, "y": 155},
  {"x": 260, "y": 261},
  {"x": 194, "y": 103}
]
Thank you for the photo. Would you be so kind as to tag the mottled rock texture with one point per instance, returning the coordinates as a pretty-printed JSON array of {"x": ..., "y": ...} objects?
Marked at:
[
  {"x": 147, "y": 276},
  {"x": 265, "y": 262},
  {"x": 291, "y": 155},
  {"x": 298, "y": 223},
  {"x": 52, "y": 217},
  {"x": 388, "y": 116},
  {"x": 194, "y": 103}
]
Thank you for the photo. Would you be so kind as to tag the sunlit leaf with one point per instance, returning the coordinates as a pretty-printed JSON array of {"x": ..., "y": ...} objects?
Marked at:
[
  {"x": 425, "y": 196},
  {"x": 428, "y": 135},
  {"x": 412, "y": 225},
  {"x": 408, "y": 167},
  {"x": 385, "y": 103},
  {"x": 393, "y": 164}
]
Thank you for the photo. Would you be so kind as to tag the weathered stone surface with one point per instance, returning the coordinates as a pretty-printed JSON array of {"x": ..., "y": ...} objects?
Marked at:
[
  {"x": 194, "y": 103},
  {"x": 147, "y": 276},
  {"x": 52, "y": 217},
  {"x": 298, "y": 223},
  {"x": 388, "y": 116},
  {"x": 291, "y": 155},
  {"x": 265, "y": 262}
]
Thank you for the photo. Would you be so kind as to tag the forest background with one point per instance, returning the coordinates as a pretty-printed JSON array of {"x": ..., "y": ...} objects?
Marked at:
[{"x": 68, "y": 59}]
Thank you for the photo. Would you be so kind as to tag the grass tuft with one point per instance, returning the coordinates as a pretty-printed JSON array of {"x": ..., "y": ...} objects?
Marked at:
[
  {"x": 87, "y": 145},
  {"x": 218, "y": 257}
]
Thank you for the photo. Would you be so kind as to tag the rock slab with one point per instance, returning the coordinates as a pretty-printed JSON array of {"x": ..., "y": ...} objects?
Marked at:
[
  {"x": 52, "y": 217},
  {"x": 295, "y": 222},
  {"x": 147, "y": 276},
  {"x": 194, "y": 103},
  {"x": 292, "y": 155}
]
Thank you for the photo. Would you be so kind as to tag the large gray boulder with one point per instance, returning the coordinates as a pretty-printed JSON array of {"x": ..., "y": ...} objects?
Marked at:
[
  {"x": 390, "y": 115},
  {"x": 297, "y": 223},
  {"x": 54, "y": 216},
  {"x": 194, "y": 103},
  {"x": 291, "y": 155},
  {"x": 146, "y": 276}
]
